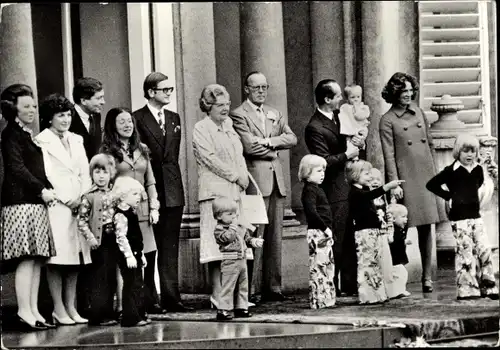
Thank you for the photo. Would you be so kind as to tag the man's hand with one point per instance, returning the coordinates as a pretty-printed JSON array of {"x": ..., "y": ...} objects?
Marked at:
[
  {"x": 329, "y": 232},
  {"x": 131, "y": 262},
  {"x": 264, "y": 142},
  {"x": 352, "y": 151},
  {"x": 154, "y": 216},
  {"x": 144, "y": 261},
  {"x": 358, "y": 141}
]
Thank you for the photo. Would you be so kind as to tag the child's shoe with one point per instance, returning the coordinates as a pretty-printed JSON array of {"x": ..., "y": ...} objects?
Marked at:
[
  {"x": 242, "y": 313},
  {"x": 486, "y": 283},
  {"x": 492, "y": 296},
  {"x": 469, "y": 297},
  {"x": 406, "y": 293},
  {"x": 223, "y": 315}
]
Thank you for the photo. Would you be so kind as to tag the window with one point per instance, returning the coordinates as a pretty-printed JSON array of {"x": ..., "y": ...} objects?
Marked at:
[{"x": 453, "y": 43}]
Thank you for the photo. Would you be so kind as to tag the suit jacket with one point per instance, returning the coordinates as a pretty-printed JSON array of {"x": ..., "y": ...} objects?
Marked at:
[
  {"x": 164, "y": 154},
  {"x": 3, "y": 124},
  {"x": 261, "y": 160},
  {"x": 323, "y": 138},
  {"x": 91, "y": 139}
]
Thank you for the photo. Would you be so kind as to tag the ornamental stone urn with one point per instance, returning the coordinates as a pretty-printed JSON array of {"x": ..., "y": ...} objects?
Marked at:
[{"x": 447, "y": 108}]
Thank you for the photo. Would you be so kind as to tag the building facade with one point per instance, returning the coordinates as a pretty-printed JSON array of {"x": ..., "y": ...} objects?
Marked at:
[{"x": 295, "y": 44}]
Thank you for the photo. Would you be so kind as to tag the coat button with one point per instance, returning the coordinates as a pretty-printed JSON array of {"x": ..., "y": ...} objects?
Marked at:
[
  {"x": 409, "y": 142},
  {"x": 419, "y": 124},
  {"x": 405, "y": 128},
  {"x": 423, "y": 140}
]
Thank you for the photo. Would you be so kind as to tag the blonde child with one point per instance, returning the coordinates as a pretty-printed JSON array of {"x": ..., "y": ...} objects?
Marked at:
[
  {"x": 319, "y": 234},
  {"x": 127, "y": 193},
  {"x": 366, "y": 226},
  {"x": 95, "y": 223},
  {"x": 399, "y": 215},
  {"x": 463, "y": 179},
  {"x": 354, "y": 114},
  {"x": 232, "y": 238}
]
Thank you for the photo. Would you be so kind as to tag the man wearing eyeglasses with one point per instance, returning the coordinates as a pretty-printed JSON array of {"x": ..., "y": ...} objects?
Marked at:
[
  {"x": 264, "y": 132},
  {"x": 160, "y": 130}
]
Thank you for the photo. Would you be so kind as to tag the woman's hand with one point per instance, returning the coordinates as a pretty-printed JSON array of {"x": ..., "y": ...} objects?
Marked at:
[
  {"x": 131, "y": 262},
  {"x": 74, "y": 203},
  {"x": 48, "y": 196},
  {"x": 154, "y": 216},
  {"x": 93, "y": 243},
  {"x": 243, "y": 181},
  {"x": 397, "y": 193}
]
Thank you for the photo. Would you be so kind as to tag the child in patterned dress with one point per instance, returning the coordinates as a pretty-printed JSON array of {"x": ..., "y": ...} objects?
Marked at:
[
  {"x": 473, "y": 259},
  {"x": 319, "y": 233},
  {"x": 95, "y": 223},
  {"x": 366, "y": 226}
]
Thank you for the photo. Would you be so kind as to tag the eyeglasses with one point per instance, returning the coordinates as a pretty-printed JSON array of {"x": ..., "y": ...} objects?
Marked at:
[
  {"x": 166, "y": 90},
  {"x": 258, "y": 87}
]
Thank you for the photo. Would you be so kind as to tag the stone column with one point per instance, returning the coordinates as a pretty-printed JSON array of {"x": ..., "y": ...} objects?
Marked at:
[
  {"x": 327, "y": 41},
  {"x": 195, "y": 68},
  {"x": 262, "y": 49},
  {"x": 16, "y": 49}
]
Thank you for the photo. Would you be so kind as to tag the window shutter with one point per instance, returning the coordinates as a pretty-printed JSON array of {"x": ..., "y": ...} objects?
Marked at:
[{"x": 453, "y": 41}]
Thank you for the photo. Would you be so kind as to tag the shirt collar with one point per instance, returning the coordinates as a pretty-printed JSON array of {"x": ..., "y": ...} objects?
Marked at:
[
  {"x": 154, "y": 110},
  {"x": 328, "y": 115},
  {"x": 81, "y": 112},
  {"x": 24, "y": 127},
  {"x": 254, "y": 106},
  {"x": 457, "y": 165},
  {"x": 225, "y": 126},
  {"x": 399, "y": 111}
]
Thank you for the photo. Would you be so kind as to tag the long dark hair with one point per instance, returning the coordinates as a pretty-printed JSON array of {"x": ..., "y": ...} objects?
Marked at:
[{"x": 111, "y": 143}]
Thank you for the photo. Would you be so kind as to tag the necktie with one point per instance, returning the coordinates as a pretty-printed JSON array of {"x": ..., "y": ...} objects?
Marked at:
[
  {"x": 161, "y": 122},
  {"x": 262, "y": 118},
  {"x": 91, "y": 125}
]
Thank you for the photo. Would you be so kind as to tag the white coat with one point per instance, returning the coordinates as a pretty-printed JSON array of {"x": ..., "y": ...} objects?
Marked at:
[{"x": 68, "y": 172}]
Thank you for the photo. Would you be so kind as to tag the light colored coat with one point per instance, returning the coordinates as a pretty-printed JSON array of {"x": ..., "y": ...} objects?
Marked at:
[
  {"x": 261, "y": 161},
  {"x": 409, "y": 155},
  {"x": 69, "y": 175}
]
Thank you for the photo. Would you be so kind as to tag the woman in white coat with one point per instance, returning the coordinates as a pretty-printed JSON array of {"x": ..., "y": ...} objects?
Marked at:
[{"x": 67, "y": 168}]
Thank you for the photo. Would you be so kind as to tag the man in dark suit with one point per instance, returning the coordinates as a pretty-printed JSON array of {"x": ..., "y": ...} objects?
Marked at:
[
  {"x": 160, "y": 130},
  {"x": 264, "y": 133},
  {"x": 88, "y": 96},
  {"x": 323, "y": 138}
]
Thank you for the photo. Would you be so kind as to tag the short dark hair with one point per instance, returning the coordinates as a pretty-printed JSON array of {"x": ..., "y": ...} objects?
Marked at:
[
  {"x": 396, "y": 85},
  {"x": 324, "y": 90},
  {"x": 50, "y": 106},
  {"x": 151, "y": 82},
  {"x": 249, "y": 75},
  {"x": 9, "y": 98},
  {"x": 85, "y": 88}
]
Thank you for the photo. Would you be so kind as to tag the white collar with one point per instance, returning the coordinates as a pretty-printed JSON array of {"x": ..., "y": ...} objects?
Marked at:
[
  {"x": 328, "y": 115},
  {"x": 84, "y": 115},
  {"x": 24, "y": 126},
  {"x": 457, "y": 165},
  {"x": 254, "y": 106},
  {"x": 154, "y": 110}
]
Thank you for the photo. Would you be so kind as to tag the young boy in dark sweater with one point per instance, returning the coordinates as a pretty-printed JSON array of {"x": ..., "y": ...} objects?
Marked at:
[{"x": 463, "y": 178}]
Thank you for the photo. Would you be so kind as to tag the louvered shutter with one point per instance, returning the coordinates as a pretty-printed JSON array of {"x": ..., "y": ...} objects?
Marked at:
[{"x": 453, "y": 41}]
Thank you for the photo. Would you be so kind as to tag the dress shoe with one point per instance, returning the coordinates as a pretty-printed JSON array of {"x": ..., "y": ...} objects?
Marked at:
[
  {"x": 274, "y": 296},
  {"x": 138, "y": 324},
  {"x": 223, "y": 315},
  {"x": 156, "y": 309},
  {"x": 79, "y": 319},
  {"x": 48, "y": 325},
  {"x": 38, "y": 326},
  {"x": 119, "y": 315},
  {"x": 108, "y": 323},
  {"x": 241, "y": 313},
  {"x": 148, "y": 320},
  {"x": 65, "y": 321},
  {"x": 255, "y": 298},
  {"x": 179, "y": 307},
  {"x": 427, "y": 286},
  {"x": 492, "y": 296},
  {"x": 488, "y": 283}
]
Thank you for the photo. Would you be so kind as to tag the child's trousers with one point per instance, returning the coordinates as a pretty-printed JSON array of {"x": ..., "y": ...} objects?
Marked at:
[
  {"x": 473, "y": 264},
  {"x": 234, "y": 280},
  {"x": 133, "y": 292},
  {"x": 371, "y": 288},
  {"x": 321, "y": 269},
  {"x": 102, "y": 279}
]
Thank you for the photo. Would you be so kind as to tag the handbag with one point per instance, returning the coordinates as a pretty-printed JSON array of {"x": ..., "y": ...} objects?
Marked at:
[{"x": 253, "y": 206}]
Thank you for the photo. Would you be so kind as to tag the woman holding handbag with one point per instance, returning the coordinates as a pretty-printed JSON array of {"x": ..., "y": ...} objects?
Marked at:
[{"x": 222, "y": 171}]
